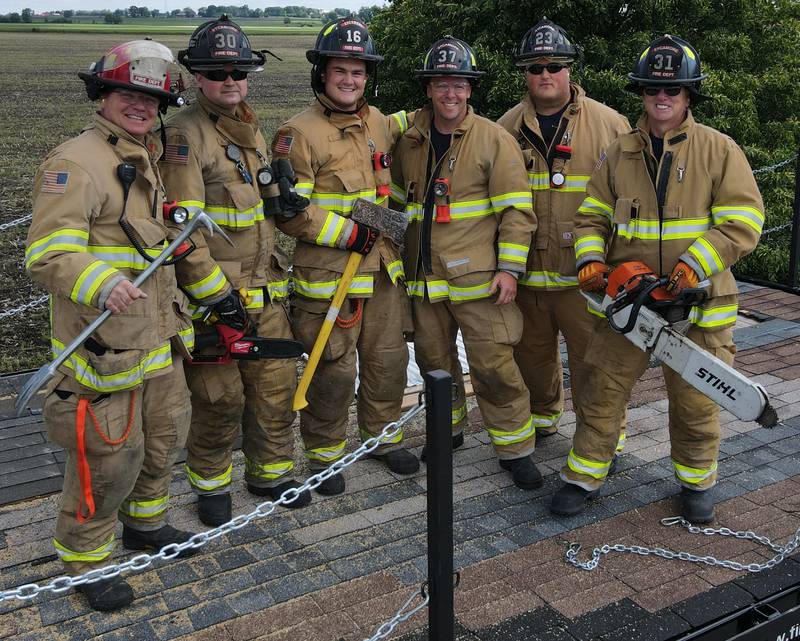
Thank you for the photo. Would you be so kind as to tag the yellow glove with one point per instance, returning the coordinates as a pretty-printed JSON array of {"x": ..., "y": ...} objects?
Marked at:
[
  {"x": 682, "y": 277},
  {"x": 593, "y": 276}
]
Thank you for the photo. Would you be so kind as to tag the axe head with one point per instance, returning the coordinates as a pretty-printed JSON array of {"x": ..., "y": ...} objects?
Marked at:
[{"x": 390, "y": 223}]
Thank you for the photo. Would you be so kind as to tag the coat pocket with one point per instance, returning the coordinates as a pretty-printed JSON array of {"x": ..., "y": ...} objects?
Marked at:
[{"x": 566, "y": 243}]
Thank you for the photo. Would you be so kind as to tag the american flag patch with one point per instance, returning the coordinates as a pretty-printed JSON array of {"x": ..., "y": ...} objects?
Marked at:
[
  {"x": 177, "y": 154},
  {"x": 283, "y": 144},
  {"x": 55, "y": 182}
]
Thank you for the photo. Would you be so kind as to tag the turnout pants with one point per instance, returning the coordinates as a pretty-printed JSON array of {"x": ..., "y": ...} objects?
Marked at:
[
  {"x": 377, "y": 338},
  {"x": 694, "y": 430},
  {"x": 130, "y": 442},
  {"x": 489, "y": 332},
  {"x": 256, "y": 394}
]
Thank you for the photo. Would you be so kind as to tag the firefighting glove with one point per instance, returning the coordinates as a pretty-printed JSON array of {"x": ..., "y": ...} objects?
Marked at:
[
  {"x": 231, "y": 312},
  {"x": 593, "y": 276},
  {"x": 362, "y": 238},
  {"x": 282, "y": 198},
  {"x": 682, "y": 277}
]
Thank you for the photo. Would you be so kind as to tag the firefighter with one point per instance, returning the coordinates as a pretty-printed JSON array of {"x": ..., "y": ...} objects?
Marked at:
[
  {"x": 562, "y": 133},
  {"x": 119, "y": 405},
  {"x": 215, "y": 160},
  {"x": 340, "y": 149},
  {"x": 462, "y": 181},
  {"x": 680, "y": 197}
]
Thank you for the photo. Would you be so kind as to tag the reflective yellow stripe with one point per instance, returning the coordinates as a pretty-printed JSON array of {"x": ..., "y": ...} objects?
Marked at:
[
  {"x": 441, "y": 289},
  {"x": 331, "y": 230},
  {"x": 206, "y": 287},
  {"x": 706, "y": 255},
  {"x": 268, "y": 471},
  {"x": 278, "y": 289},
  {"x": 326, "y": 454},
  {"x": 502, "y": 437},
  {"x": 693, "y": 475},
  {"x": 597, "y": 207},
  {"x": 397, "y": 438},
  {"x": 589, "y": 245},
  {"x": 402, "y": 120},
  {"x": 144, "y": 509},
  {"x": 458, "y": 414},
  {"x": 549, "y": 280},
  {"x": 397, "y": 194},
  {"x": 750, "y": 216},
  {"x": 304, "y": 189},
  {"x": 63, "y": 240},
  {"x": 255, "y": 297},
  {"x": 512, "y": 253},
  {"x": 518, "y": 199},
  {"x": 539, "y": 180},
  {"x": 233, "y": 218},
  {"x": 621, "y": 442},
  {"x": 361, "y": 285},
  {"x": 683, "y": 228},
  {"x": 90, "y": 280},
  {"x": 715, "y": 317},
  {"x": 214, "y": 483},
  {"x": 395, "y": 271},
  {"x": 92, "y": 556},
  {"x": 86, "y": 375},
  {"x": 340, "y": 202},
  {"x": 546, "y": 420},
  {"x": 187, "y": 337},
  {"x": 595, "y": 469}
]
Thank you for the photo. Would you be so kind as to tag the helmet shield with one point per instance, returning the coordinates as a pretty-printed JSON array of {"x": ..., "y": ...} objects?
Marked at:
[
  {"x": 544, "y": 40},
  {"x": 668, "y": 60},
  {"x": 450, "y": 57},
  {"x": 344, "y": 38},
  {"x": 219, "y": 42},
  {"x": 138, "y": 65}
]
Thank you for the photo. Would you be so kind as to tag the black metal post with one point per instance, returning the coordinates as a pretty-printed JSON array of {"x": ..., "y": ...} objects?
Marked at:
[
  {"x": 438, "y": 430},
  {"x": 794, "y": 250}
]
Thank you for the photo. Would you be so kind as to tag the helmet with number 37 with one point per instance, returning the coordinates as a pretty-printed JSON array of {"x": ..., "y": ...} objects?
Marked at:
[{"x": 450, "y": 57}]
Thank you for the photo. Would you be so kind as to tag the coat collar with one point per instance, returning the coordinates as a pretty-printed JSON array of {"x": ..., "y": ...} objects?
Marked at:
[
  {"x": 337, "y": 118},
  {"x": 240, "y": 128},
  {"x": 423, "y": 120}
]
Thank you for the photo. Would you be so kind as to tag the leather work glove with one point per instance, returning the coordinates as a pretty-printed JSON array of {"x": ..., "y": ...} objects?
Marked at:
[
  {"x": 682, "y": 277},
  {"x": 231, "y": 312},
  {"x": 593, "y": 276},
  {"x": 362, "y": 238},
  {"x": 282, "y": 198}
]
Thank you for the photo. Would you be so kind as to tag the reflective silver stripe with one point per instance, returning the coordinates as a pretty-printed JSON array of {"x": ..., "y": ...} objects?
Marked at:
[
  {"x": 517, "y": 436},
  {"x": 269, "y": 471},
  {"x": 340, "y": 202},
  {"x": 208, "y": 286},
  {"x": 750, "y": 216},
  {"x": 326, "y": 289},
  {"x": 595, "y": 469},
  {"x": 326, "y": 454},
  {"x": 331, "y": 229},
  {"x": 213, "y": 483},
  {"x": 593, "y": 206},
  {"x": 714, "y": 316},
  {"x": 68, "y": 240},
  {"x": 547, "y": 279},
  {"x": 670, "y": 230},
  {"x": 693, "y": 475},
  {"x": 235, "y": 218},
  {"x": 144, "y": 509},
  {"x": 538, "y": 181},
  {"x": 520, "y": 200},
  {"x": 705, "y": 254},
  {"x": 90, "y": 280}
]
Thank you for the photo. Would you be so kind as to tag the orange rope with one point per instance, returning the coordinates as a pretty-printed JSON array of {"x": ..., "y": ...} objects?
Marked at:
[{"x": 348, "y": 323}]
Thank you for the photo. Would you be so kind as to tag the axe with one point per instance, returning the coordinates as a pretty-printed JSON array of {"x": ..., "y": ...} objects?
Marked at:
[
  {"x": 391, "y": 224},
  {"x": 48, "y": 370}
]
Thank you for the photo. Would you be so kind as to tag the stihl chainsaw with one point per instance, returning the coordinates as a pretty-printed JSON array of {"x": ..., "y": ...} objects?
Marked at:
[
  {"x": 234, "y": 345},
  {"x": 637, "y": 305}
]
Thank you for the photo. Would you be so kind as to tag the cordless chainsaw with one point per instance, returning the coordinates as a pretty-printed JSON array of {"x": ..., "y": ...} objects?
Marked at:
[
  {"x": 637, "y": 304},
  {"x": 233, "y": 345}
]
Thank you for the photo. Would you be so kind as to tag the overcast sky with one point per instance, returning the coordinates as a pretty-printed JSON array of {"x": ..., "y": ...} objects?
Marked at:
[{"x": 38, "y": 6}]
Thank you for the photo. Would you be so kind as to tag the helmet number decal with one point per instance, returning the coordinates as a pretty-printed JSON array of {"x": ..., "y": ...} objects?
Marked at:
[
  {"x": 659, "y": 62},
  {"x": 444, "y": 54},
  {"x": 225, "y": 40},
  {"x": 545, "y": 37},
  {"x": 353, "y": 35}
]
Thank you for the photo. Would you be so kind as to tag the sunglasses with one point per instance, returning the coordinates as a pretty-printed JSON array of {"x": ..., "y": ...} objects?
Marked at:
[
  {"x": 220, "y": 75},
  {"x": 670, "y": 91},
  {"x": 552, "y": 67}
]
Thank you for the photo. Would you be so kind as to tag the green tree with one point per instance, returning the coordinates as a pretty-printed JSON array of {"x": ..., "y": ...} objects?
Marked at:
[
  {"x": 27, "y": 15},
  {"x": 748, "y": 48}
]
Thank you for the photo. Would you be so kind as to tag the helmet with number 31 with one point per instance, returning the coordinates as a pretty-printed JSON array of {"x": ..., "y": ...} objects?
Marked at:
[{"x": 668, "y": 60}]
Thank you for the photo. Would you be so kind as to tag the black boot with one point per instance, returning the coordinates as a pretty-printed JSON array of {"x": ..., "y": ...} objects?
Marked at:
[
  {"x": 458, "y": 441},
  {"x": 154, "y": 540},
  {"x": 697, "y": 506},
  {"x": 303, "y": 499},
  {"x": 332, "y": 486},
  {"x": 399, "y": 461},
  {"x": 107, "y": 594},
  {"x": 524, "y": 472},
  {"x": 570, "y": 500},
  {"x": 214, "y": 509},
  {"x": 613, "y": 467}
]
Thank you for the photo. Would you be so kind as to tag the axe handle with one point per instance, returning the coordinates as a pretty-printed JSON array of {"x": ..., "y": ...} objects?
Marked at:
[{"x": 325, "y": 331}]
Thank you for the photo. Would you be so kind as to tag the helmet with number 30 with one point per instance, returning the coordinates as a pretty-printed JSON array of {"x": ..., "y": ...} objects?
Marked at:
[
  {"x": 219, "y": 42},
  {"x": 545, "y": 40},
  {"x": 668, "y": 60}
]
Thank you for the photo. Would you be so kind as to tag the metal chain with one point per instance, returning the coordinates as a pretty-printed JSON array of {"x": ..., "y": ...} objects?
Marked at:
[
  {"x": 14, "y": 223},
  {"x": 36, "y": 302},
  {"x": 386, "y": 629},
  {"x": 778, "y": 228},
  {"x": 170, "y": 551},
  {"x": 777, "y": 165},
  {"x": 782, "y": 551}
]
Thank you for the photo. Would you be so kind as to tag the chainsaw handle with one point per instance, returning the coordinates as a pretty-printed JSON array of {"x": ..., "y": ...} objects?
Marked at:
[{"x": 636, "y": 305}]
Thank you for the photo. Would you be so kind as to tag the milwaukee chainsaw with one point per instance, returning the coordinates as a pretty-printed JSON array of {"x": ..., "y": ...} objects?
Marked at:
[
  {"x": 637, "y": 305},
  {"x": 233, "y": 345}
]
